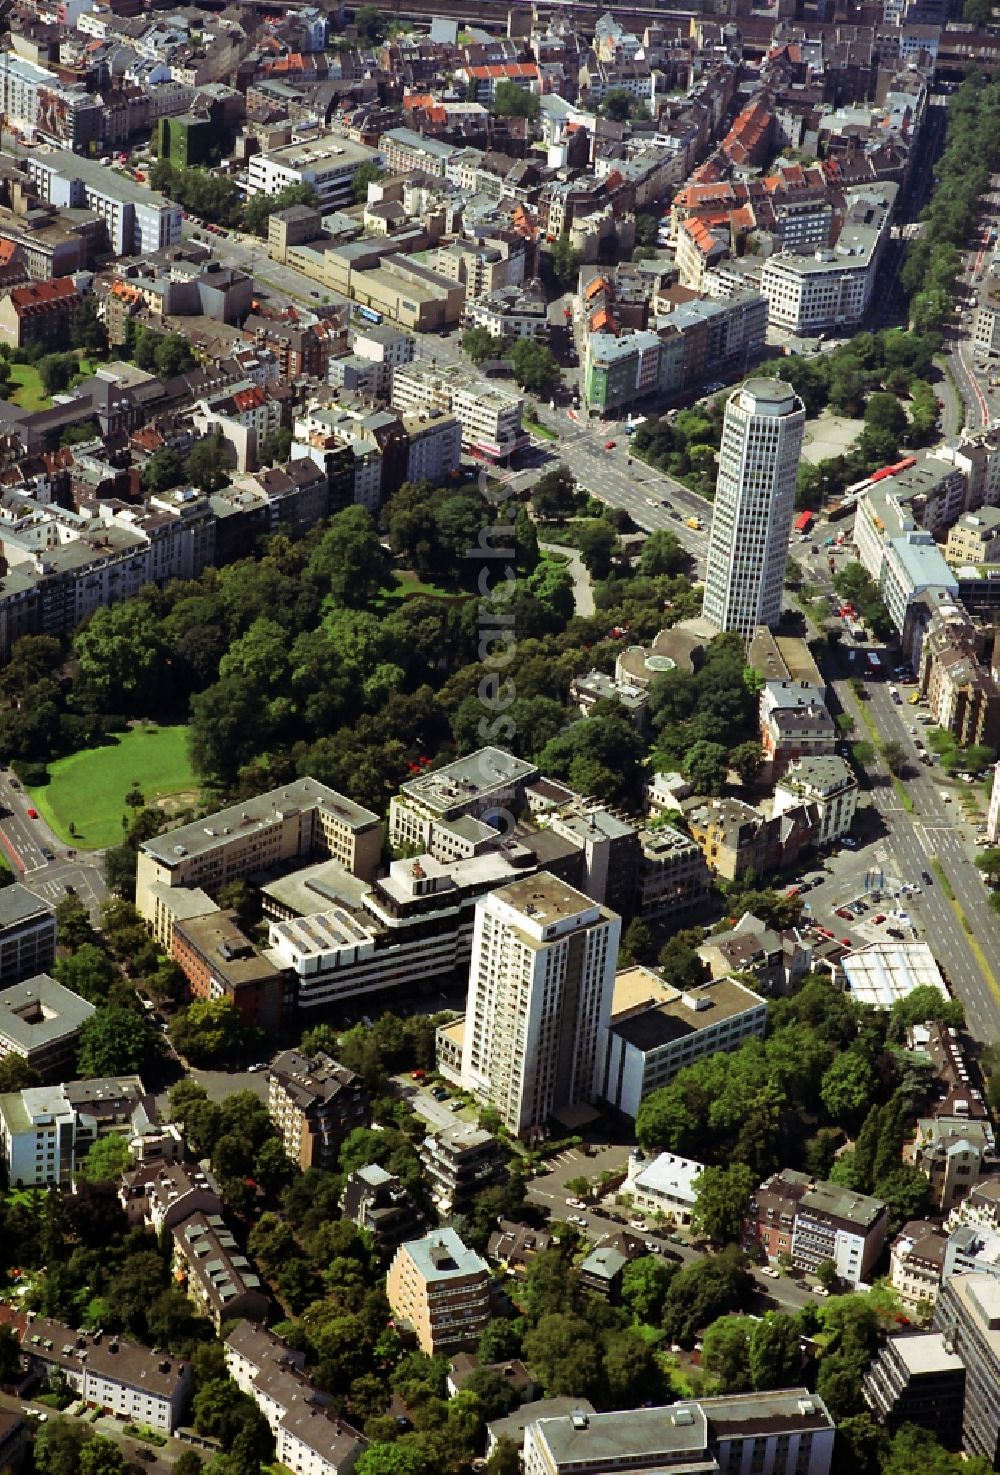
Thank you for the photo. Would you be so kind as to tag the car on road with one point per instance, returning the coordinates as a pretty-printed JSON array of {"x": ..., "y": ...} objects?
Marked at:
[
  {"x": 575, "y": 1203},
  {"x": 879, "y": 918},
  {"x": 844, "y": 913},
  {"x": 258, "y": 1065},
  {"x": 651, "y": 502},
  {"x": 609, "y": 445},
  {"x": 847, "y": 942},
  {"x": 47, "y": 853},
  {"x": 577, "y": 1219},
  {"x": 32, "y": 813},
  {"x": 637, "y": 1224},
  {"x": 821, "y": 1291},
  {"x": 770, "y": 1272}
]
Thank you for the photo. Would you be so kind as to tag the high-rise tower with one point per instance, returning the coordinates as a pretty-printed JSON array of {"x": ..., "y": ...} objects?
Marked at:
[{"x": 754, "y": 504}]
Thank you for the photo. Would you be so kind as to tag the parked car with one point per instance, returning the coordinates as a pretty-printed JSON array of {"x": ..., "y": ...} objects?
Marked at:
[
  {"x": 32, "y": 813},
  {"x": 770, "y": 1272}
]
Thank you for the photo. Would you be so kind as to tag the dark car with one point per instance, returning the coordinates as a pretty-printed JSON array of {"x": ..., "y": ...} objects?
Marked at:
[{"x": 927, "y": 878}]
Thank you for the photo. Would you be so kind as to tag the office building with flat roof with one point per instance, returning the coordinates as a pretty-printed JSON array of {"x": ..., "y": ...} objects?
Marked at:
[
  {"x": 137, "y": 219},
  {"x": 441, "y": 1290},
  {"x": 968, "y": 1315},
  {"x": 785, "y": 1432},
  {"x": 487, "y": 786},
  {"x": 540, "y": 987},
  {"x": 27, "y": 934},
  {"x": 302, "y": 819},
  {"x": 655, "y": 1030},
  {"x": 326, "y": 163},
  {"x": 40, "y": 1021},
  {"x": 754, "y": 503},
  {"x": 917, "y": 1378}
]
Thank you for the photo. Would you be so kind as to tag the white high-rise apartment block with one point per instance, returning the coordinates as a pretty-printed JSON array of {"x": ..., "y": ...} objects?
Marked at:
[
  {"x": 540, "y": 990},
  {"x": 993, "y": 819},
  {"x": 754, "y": 504}
]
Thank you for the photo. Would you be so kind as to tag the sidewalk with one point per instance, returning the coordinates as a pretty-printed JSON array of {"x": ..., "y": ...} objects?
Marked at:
[{"x": 583, "y": 594}]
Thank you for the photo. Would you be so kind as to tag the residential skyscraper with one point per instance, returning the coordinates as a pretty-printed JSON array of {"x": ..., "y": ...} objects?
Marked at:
[
  {"x": 540, "y": 989},
  {"x": 754, "y": 503}
]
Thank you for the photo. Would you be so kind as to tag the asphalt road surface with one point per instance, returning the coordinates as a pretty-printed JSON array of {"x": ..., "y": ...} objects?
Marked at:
[
  {"x": 934, "y": 831},
  {"x": 25, "y": 841}
]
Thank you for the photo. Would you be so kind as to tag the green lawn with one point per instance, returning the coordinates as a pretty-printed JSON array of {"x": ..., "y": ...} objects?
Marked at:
[
  {"x": 408, "y": 583},
  {"x": 26, "y": 389},
  {"x": 88, "y": 788}
]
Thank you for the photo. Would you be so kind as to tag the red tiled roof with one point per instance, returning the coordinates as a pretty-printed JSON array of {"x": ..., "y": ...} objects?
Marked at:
[{"x": 37, "y": 295}]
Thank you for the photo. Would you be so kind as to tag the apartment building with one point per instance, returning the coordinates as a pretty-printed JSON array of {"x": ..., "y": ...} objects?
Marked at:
[
  {"x": 434, "y": 450},
  {"x": 785, "y": 1432},
  {"x": 378, "y": 1202},
  {"x": 136, "y": 219},
  {"x": 302, "y": 819},
  {"x": 814, "y": 1221},
  {"x": 460, "y": 1162},
  {"x": 210, "y": 1265},
  {"x": 961, "y": 694},
  {"x": 619, "y": 369},
  {"x": 45, "y": 1130},
  {"x": 405, "y": 150},
  {"x": 655, "y": 1030},
  {"x": 314, "y": 1102},
  {"x": 986, "y": 324},
  {"x": 27, "y": 934},
  {"x": 916, "y": 1262},
  {"x": 37, "y": 101},
  {"x": 41, "y": 1022},
  {"x": 510, "y": 313},
  {"x": 39, "y": 313},
  {"x": 327, "y": 163},
  {"x": 540, "y": 986},
  {"x": 490, "y": 419},
  {"x": 975, "y": 538},
  {"x": 662, "y": 1185},
  {"x": 164, "y": 1194},
  {"x": 672, "y": 875},
  {"x": 968, "y": 1315},
  {"x": 737, "y": 840},
  {"x": 794, "y": 724},
  {"x": 952, "y": 1153},
  {"x": 387, "y": 347},
  {"x": 826, "y": 783},
  {"x": 109, "y": 1373},
  {"x": 309, "y": 1437},
  {"x": 220, "y": 962},
  {"x": 440, "y": 1290}
]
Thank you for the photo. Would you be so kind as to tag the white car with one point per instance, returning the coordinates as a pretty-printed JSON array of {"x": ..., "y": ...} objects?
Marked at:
[
  {"x": 578, "y": 1219},
  {"x": 638, "y": 1224},
  {"x": 822, "y": 1291},
  {"x": 770, "y": 1272}
]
